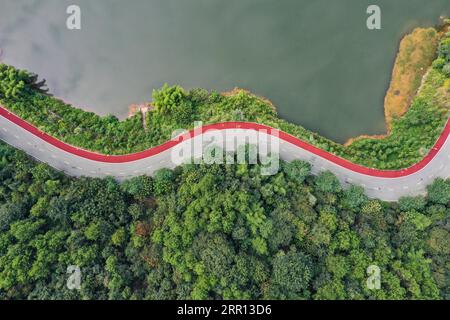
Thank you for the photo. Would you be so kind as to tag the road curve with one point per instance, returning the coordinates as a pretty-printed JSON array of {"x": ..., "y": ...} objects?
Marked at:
[{"x": 387, "y": 185}]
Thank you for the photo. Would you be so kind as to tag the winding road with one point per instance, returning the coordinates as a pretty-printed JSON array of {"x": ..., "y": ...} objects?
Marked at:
[{"x": 388, "y": 185}]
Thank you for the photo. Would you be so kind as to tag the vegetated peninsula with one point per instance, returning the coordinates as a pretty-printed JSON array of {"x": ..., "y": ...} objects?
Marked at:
[
  {"x": 218, "y": 231},
  {"x": 411, "y": 136},
  {"x": 416, "y": 53}
]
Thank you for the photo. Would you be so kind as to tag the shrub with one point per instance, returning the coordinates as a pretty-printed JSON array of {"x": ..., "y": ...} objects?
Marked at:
[
  {"x": 163, "y": 181},
  {"x": 446, "y": 70},
  {"x": 444, "y": 49},
  {"x": 412, "y": 203},
  {"x": 439, "y": 63},
  {"x": 327, "y": 182},
  {"x": 439, "y": 191},
  {"x": 167, "y": 98}
]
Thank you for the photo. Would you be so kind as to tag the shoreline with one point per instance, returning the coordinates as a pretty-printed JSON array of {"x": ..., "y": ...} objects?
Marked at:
[
  {"x": 399, "y": 97},
  {"x": 168, "y": 145},
  {"x": 394, "y": 105},
  {"x": 412, "y": 63},
  {"x": 125, "y": 137}
]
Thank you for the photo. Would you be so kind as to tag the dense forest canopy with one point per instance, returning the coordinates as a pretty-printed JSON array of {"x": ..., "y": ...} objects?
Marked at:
[{"x": 216, "y": 231}]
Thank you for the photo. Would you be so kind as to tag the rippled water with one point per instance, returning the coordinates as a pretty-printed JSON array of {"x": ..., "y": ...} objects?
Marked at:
[{"x": 315, "y": 60}]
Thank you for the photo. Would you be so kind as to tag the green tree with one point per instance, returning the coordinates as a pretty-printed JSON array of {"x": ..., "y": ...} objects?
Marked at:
[
  {"x": 297, "y": 170},
  {"x": 327, "y": 182},
  {"x": 439, "y": 191},
  {"x": 168, "y": 98},
  {"x": 292, "y": 273},
  {"x": 163, "y": 180},
  {"x": 412, "y": 203}
]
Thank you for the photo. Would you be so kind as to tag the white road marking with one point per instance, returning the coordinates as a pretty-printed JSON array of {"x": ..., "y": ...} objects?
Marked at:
[{"x": 439, "y": 167}]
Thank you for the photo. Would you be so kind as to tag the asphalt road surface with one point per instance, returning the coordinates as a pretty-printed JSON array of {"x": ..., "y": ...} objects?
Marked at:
[{"x": 388, "y": 188}]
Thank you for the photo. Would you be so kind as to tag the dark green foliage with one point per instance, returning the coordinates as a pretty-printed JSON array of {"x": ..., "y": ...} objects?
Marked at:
[
  {"x": 354, "y": 197},
  {"x": 292, "y": 273},
  {"x": 139, "y": 187},
  {"x": 439, "y": 192},
  {"x": 327, "y": 182},
  {"x": 163, "y": 181},
  {"x": 412, "y": 203},
  {"x": 218, "y": 231},
  {"x": 297, "y": 170}
]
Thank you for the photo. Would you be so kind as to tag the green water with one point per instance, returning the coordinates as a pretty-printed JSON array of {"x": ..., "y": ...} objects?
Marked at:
[{"x": 316, "y": 60}]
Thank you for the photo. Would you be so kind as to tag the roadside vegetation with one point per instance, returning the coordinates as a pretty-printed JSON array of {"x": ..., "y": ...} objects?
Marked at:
[
  {"x": 410, "y": 139},
  {"x": 416, "y": 54},
  {"x": 215, "y": 231}
]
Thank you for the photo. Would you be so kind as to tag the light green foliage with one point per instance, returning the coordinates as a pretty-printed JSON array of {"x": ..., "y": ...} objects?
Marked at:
[
  {"x": 167, "y": 99},
  {"x": 119, "y": 237},
  {"x": 15, "y": 83},
  {"x": 420, "y": 221},
  {"x": 12, "y": 81},
  {"x": 444, "y": 49},
  {"x": 439, "y": 63}
]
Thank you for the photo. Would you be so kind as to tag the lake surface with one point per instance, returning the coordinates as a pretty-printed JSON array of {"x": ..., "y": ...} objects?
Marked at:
[{"x": 316, "y": 60}]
